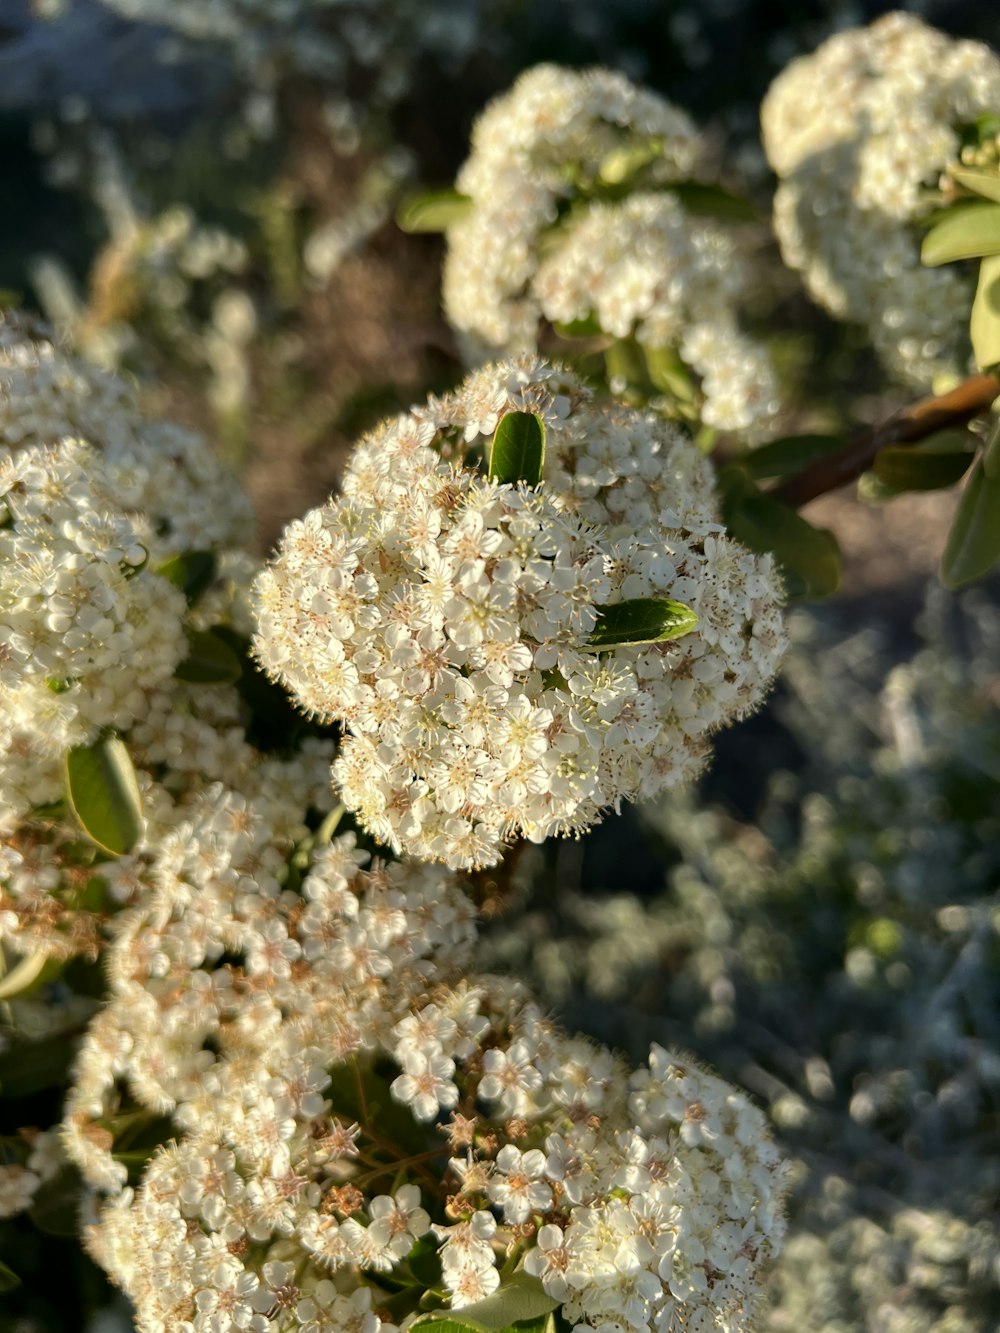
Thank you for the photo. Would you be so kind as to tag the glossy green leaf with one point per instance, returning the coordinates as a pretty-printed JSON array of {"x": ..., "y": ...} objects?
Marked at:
[
  {"x": 973, "y": 544},
  {"x": 518, "y": 449},
  {"x": 640, "y": 620},
  {"x": 984, "y": 183},
  {"x": 191, "y": 571},
  {"x": 434, "y": 210},
  {"x": 712, "y": 201},
  {"x": 9, "y": 1280},
  {"x": 921, "y": 469},
  {"x": 519, "y": 1302},
  {"x": 984, "y": 326},
  {"x": 963, "y": 233},
  {"x": 790, "y": 454},
  {"x": 24, "y": 973},
  {"x": 991, "y": 452},
  {"x": 210, "y": 660},
  {"x": 103, "y": 791},
  {"x": 809, "y": 557},
  {"x": 622, "y": 164}
]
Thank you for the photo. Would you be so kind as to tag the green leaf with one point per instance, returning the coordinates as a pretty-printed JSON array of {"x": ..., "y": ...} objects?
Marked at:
[
  {"x": 624, "y": 163},
  {"x": 790, "y": 454},
  {"x": 921, "y": 469},
  {"x": 588, "y": 327},
  {"x": 210, "y": 660},
  {"x": 963, "y": 233},
  {"x": 809, "y": 557},
  {"x": 9, "y": 1280},
  {"x": 520, "y": 1302},
  {"x": 433, "y": 210},
  {"x": 669, "y": 374},
  {"x": 191, "y": 571},
  {"x": 27, "y": 1067},
  {"x": 984, "y": 183},
  {"x": 639, "y": 620},
  {"x": 984, "y": 326},
  {"x": 518, "y": 449},
  {"x": 55, "y": 1208},
  {"x": 712, "y": 201},
  {"x": 22, "y": 975},
  {"x": 974, "y": 540},
  {"x": 991, "y": 452},
  {"x": 104, "y": 793}
]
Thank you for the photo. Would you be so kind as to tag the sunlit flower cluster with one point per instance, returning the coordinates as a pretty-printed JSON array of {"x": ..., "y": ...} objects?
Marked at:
[
  {"x": 859, "y": 133},
  {"x": 191, "y": 501},
  {"x": 338, "y": 1090},
  {"x": 548, "y": 235},
  {"x": 445, "y": 618}
]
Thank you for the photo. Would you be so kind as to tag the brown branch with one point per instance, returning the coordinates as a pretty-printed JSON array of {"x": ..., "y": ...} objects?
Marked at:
[{"x": 908, "y": 426}]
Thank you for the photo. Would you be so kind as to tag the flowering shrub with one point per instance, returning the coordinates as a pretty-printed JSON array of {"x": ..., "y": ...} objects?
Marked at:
[{"x": 449, "y": 620}]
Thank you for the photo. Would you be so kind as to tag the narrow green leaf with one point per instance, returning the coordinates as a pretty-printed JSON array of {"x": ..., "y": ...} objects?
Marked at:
[
  {"x": 991, "y": 452},
  {"x": 588, "y": 327},
  {"x": 963, "y": 233},
  {"x": 921, "y": 469},
  {"x": 639, "y": 620},
  {"x": 790, "y": 454},
  {"x": 518, "y": 449},
  {"x": 984, "y": 183},
  {"x": 623, "y": 164},
  {"x": 191, "y": 571},
  {"x": 519, "y": 1302},
  {"x": 103, "y": 791},
  {"x": 713, "y": 201},
  {"x": 669, "y": 373},
  {"x": 23, "y": 974},
  {"x": 809, "y": 557},
  {"x": 432, "y": 210},
  {"x": 9, "y": 1280},
  {"x": 974, "y": 540},
  {"x": 210, "y": 661},
  {"x": 984, "y": 326}
]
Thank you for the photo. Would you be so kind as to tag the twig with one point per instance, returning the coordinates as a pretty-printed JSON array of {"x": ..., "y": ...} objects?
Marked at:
[{"x": 908, "y": 426}]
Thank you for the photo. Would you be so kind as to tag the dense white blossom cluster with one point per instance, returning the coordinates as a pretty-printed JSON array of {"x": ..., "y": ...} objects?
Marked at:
[
  {"x": 445, "y": 619},
  {"x": 857, "y": 132},
  {"x": 547, "y": 235},
  {"x": 191, "y": 501},
  {"x": 274, "y": 1026}
]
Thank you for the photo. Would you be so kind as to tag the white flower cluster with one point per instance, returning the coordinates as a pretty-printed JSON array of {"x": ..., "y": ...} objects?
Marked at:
[
  {"x": 268, "y": 1022},
  {"x": 155, "y": 468},
  {"x": 86, "y": 631},
  {"x": 856, "y": 132},
  {"x": 546, "y": 236},
  {"x": 444, "y": 618}
]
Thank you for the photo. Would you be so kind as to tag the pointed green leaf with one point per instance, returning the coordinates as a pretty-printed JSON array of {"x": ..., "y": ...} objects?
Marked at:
[
  {"x": 520, "y": 1302},
  {"x": 588, "y": 327},
  {"x": 974, "y": 540},
  {"x": 921, "y": 469},
  {"x": 963, "y": 233},
  {"x": 622, "y": 164},
  {"x": 669, "y": 373},
  {"x": 103, "y": 791},
  {"x": 713, "y": 201},
  {"x": 984, "y": 183},
  {"x": 191, "y": 571},
  {"x": 984, "y": 326},
  {"x": 518, "y": 449},
  {"x": 640, "y": 620},
  {"x": 23, "y": 974},
  {"x": 9, "y": 1280},
  {"x": 991, "y": 452},
  {"x": 432, "y": 210},
  {"x": 809, "y": 557},
  {"x": 210, "y": 660},
  {"x": 790, "y": 454}
]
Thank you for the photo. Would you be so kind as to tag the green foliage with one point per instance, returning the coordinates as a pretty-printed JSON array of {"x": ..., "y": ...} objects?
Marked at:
[
  {"x": 984, "y": 325},
  {"x": 974, "y": 539},
  {"x": 639, "y": 620},
  {"x": 809, "y": 557},
  {"x": 104, "y": 794},
  {"x": 210, "y": 660},
  {"x": 519, "y": 1303},
  {"x": 432, "y": 211},
  {"x": 966, "y": 232},
  {"x": 517, "y": 452},
  {"x": 191, "y": 571}
]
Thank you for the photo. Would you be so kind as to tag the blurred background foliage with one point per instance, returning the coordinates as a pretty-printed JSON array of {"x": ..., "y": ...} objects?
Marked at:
[{"x": 202, "y": 195}]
